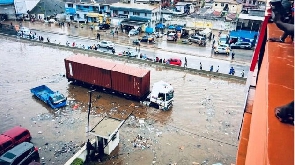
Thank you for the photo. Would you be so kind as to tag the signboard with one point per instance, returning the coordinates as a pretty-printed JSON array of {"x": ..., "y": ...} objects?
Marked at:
[{"x": 203, "y": 24}]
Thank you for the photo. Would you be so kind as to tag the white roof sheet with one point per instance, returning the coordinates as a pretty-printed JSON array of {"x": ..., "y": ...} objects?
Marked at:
[
  {"x": 248, "y": 17},
  {"x": 106, "y": 127}
]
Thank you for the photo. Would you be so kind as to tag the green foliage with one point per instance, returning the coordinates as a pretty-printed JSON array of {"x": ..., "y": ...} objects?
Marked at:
[{"x": 77, "y": 161}]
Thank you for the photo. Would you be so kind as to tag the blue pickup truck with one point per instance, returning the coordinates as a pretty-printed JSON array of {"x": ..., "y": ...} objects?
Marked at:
[{"x": 54, "y": 99}]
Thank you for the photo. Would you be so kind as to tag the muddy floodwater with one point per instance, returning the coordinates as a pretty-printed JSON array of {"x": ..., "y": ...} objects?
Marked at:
[{"x": 202, "y": 127}]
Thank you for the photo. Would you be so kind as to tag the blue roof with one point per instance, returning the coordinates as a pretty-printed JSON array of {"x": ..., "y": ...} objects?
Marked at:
[
  {"x": 6, "y": 2},
  {"x": 243, "y": 34}
]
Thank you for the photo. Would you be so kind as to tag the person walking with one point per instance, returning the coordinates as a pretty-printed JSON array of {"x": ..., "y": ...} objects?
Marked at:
[
  {"x": 213, "y": 43},
  {"x": 211, "y": 68},
  {"x": 201, "y": 67},
  {"x": 243, "y": 73},
  {"x": 185, "y": 62},
  {"x": 232, "y": 55},
  {"x": 217, "y": 69},
  {"x": 98, "y": 36}
]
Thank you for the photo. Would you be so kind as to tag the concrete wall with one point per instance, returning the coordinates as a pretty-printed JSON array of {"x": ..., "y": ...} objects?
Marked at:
[{"x": 112, "y": 144}]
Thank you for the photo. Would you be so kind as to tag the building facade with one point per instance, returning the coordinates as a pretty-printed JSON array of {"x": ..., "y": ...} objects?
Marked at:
[
  {"x": 143, "y": 15},
  {"x": 7, "y": 10},
  {"x": 227, "y": 6},
  {"x": 87, "y": 12}
]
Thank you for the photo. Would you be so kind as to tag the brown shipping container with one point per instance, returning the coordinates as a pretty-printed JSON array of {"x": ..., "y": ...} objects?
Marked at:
[
  {"x": 89, "y": 69},
  {"x": 130, "y": 80}
]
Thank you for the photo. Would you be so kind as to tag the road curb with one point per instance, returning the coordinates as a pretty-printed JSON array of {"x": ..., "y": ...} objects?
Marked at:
[{"x": 126, "y": 59}]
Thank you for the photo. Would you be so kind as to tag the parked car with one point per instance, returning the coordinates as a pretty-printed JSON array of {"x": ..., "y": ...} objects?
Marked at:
[
  {"x": 146, "y": 39},
  {"x": 133, "y": 32},
  {"x": 22, "y": 154},
  {"x": 106, "y": 44},
  {"x": 103, "y": 26},
  {"x": 196, "y": 39},
  {"x": 158, "y": 35},
  {"x": 12, "y": 137},
  {"x": 174, "y": 61},
  {"x": 222, "y": 45},
  {"x": 171, "y": 36},
  {"x": 185, "y": 41},
  {"x": 241, "y": 45},
  {"x": 222, "y": 39},
  {"x": 221, "y": 50}
]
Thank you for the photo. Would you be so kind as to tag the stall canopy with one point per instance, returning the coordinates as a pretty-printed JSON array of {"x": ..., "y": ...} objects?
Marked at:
[
  {"x": 160, "y": 26},
  {"x": 178, "y": 28},
  {"x": 149, "y": 30},
  {"x": 171, "y": 27},
  {"x": 205, "y": 31}
]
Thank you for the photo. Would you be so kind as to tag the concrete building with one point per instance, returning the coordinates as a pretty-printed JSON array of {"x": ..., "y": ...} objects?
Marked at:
[
  {"x": 7, "y": 10},
  {"x": 229, "y": 6},
  {"x": 251, "y": 21},
  {"x": 185, "y": 7},
  {"x": 90, "y": 11},
  {"x": 145, "y": 1},
  {"x": 253, "y": 4},
  {"x": 136, "y": 15}
]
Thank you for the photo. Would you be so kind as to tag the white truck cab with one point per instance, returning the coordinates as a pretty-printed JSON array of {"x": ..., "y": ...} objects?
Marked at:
[{"x": 162, "y": 95}]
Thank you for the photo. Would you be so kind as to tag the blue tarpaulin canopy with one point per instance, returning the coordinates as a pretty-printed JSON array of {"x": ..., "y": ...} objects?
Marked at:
[
  {"x": 178, "y": 28},
  {"x": 243, "y": 34},
  {"x": 6, "y": 2},
  {"x": 149, "y": 30},
  {"x": 171, "y": 27},
  {"x": 160, "y": 26}
]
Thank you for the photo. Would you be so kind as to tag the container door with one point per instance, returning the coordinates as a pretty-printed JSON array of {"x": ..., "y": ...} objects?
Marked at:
[{"x": 71, "y": 69}]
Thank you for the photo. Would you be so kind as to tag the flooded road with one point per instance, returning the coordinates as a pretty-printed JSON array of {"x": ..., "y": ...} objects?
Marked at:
[{"x": 202, "y": 127}]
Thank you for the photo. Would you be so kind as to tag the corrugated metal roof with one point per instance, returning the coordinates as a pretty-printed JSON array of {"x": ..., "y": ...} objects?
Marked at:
[
  {"x": 137, "y": 72},
  {"x": 92, "y": 61}
]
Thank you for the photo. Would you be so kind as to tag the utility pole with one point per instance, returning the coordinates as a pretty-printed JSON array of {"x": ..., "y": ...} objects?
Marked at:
[{"x": 89, "y": 108}]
